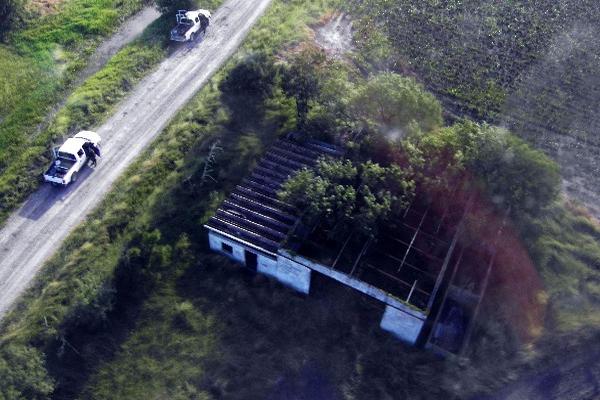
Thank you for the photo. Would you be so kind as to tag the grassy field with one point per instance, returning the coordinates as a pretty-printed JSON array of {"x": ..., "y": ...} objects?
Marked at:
[
  {"x": 565, "y": 245},
  {"x": 87, "y": 106},
  {"x": 59, "y": 52},
  {"x": 134, "y": 305},
  {"x": 528, "y": 66},
  {"x": 49, "y": 52},
  {"x": 531, "y": 67},
  {"x": 473, "y": 54},
  {"x": 97, "y": 257}
]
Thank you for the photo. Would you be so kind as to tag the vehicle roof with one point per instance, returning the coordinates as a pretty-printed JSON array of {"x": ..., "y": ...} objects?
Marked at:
[
  {"x": 194, "y": 14},
  {"x": 89, "y": 136},
  {"x": 72, "y": 145}
]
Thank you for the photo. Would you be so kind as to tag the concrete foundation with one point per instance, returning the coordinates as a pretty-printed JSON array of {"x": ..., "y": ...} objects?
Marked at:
[
  {"x": 405, "y": 326},
  {"x": 292, "y": 274},
  {"x": 295, "y": 272}
]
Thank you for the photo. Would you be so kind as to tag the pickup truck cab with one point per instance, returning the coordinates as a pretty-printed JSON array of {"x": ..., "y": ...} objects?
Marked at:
[
  {"x": 70, "y": 158},
  {"x": 190, "y": 24}
]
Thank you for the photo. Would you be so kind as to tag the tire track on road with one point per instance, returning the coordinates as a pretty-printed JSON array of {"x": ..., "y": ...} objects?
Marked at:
[{"x": 35, "y": 231}]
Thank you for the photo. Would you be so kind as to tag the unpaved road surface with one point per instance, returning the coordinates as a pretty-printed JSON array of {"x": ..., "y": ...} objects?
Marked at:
[
  {"x": 130, "y": 30},
  {"x": 35, "y": 232}
]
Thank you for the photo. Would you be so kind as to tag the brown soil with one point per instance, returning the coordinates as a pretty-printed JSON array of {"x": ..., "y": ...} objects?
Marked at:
[
  {"x": 334, "y": 34},
  {"x": 43, "y": 7}
]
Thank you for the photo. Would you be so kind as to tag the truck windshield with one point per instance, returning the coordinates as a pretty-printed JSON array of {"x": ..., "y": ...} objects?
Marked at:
[
  {"x": 186, "y": 21},
  {"x": 66, "y": 156}
]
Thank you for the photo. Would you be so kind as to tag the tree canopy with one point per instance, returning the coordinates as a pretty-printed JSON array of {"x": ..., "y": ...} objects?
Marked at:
[
  {"x": 349, "y": 196},
  {"x": 514, "y": 174},
  {"x": 395, "y": 105},
  {"x": 9, "y": 12},
  {"x": 302, "y": 80},
  {"x": 247, "y": 85}
]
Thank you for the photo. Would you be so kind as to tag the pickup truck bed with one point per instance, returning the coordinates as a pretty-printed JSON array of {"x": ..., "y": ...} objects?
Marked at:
[
  {"x": 181, "y": 29},
  {"x": 56, "y": 173}
]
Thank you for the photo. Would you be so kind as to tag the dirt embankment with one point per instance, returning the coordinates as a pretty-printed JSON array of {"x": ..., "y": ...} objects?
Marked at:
[{"x": 334, "y": 34}]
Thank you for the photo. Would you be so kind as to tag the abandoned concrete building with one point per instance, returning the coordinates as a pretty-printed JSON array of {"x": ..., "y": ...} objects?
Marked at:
[{"x": 425, "y": 281}]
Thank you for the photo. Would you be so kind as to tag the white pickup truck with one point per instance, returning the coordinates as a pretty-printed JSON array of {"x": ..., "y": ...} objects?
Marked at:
[
  {"x": 71, "y": 157},
  {"x": 190, "y": 24}
]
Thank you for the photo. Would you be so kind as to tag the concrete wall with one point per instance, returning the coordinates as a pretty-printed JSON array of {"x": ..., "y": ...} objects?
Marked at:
[
  {"x": 215, "y": 241},
  {"x": 266, "y": 265},
  {"x": 354, "y": 283},
  {"x": 404, "y": 322},
  {"x": 292, "y": 274},
  {"x": 295, "y": 272},
  {"x": 401, "y": 324},
  {"x": 285, "y": 271}
]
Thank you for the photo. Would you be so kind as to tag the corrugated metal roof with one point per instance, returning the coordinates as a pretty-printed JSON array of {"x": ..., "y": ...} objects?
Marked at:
[{"x": 252, "y": 212}]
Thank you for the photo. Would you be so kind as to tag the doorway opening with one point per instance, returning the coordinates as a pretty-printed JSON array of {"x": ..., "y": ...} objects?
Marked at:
[{"x": 251, "y": 260}]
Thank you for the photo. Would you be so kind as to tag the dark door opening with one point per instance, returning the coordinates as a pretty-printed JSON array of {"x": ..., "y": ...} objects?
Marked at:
[{"x": 251, "y": 260}]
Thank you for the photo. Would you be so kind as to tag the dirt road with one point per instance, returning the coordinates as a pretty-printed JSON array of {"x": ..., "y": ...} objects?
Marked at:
[
  {"x": 130, "y": 30},
  {"x": 37, "y": 230}
]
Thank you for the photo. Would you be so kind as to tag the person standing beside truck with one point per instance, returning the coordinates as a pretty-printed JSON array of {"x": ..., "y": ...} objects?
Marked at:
[{"x": 91, "y": 151}]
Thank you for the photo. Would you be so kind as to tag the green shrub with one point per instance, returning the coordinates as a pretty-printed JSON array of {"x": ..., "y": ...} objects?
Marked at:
[
  {"x": 395, "y": 106},
  {"x": 22, "y": 374}
]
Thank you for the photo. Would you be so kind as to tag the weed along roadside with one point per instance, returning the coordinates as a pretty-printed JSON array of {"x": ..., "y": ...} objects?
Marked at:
[
  {"x": 137, "y": 122},
  {"x": 49, "y": 55},
  {"x": 90, "y": 103},
  {"x": 135, "y": 304},
  {"x": 135, "y": 195}
]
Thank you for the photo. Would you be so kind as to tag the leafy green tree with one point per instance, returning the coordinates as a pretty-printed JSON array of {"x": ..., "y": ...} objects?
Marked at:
[
  {"x": 514, "y": 174},
  {"x": 396, "y": 105},
  {"x": 22, "y": 374},
  {"x": 348, "y": 196},
  {"x": 302, "y": 80}
]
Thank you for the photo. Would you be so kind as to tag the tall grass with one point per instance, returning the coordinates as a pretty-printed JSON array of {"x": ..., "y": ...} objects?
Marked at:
[
  {"x": 58, "y": 49},
  {"x": 37, "y": 66},
  {"x": 202, "y": 329}
]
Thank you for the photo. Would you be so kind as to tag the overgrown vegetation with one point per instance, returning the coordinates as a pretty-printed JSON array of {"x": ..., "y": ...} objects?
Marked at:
[
  {"x": 134, "y": 305},
  {"x": 86, "y": 106},
  {"x": 530, "y": 67},
  {"x": 349, "y": 196},
  {"x": 471, "y": 54},
  {"x": 50, "y": 322},
  {"x": 37, "y": 66}
]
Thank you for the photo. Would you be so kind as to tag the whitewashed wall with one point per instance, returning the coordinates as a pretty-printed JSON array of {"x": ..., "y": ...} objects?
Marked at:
[
  {"x": 215, "y": 241},
  {"x": 405, "y": 326}
]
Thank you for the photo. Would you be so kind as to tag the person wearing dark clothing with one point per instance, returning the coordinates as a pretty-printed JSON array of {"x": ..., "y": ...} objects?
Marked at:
[
  {"x": 203, "y": 23},
  {"x": 91, "y": 152},
  {"x": 96, "y": 150},
  {"x": 92, "y": 159}
]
